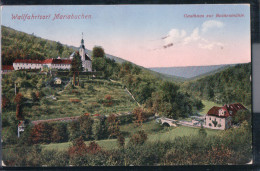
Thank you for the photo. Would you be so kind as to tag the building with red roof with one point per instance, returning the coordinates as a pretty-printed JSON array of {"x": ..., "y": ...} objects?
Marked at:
[
  {"x": 20, "y": 64},
  {"x": 65, "y": 64},
  {"x": 220, "y": 117},
  {"x": 7, "y": 69}
]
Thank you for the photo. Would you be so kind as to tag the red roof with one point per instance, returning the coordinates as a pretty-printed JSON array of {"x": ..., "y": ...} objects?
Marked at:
[
  {"x": 28, "y": 61},
  {"x": 229, "y": 110},
  {"x": 46, "y": 61},
  {"x": 7, "y": 67}
]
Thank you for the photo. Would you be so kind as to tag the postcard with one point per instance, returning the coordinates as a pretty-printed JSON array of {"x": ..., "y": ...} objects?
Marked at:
[{"x": 126, "y": 85}]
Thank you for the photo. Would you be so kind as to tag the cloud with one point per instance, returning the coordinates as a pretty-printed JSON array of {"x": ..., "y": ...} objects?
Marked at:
[
  {"x": 211, "y": 24},
  {"x": 174, "y": 36},
  {"x": 193, "y": 37},
  {"x": 211, "y": 45},
  {"x": 180, "y": 37}
]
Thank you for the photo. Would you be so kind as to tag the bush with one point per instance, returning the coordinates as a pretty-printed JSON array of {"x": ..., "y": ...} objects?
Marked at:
[
  {"x": 125, "y": 119},
  {"x": 59, "y": 133},
  {"x": 74, "y": 130},
  {"x": 100, "y": 129},
  {"x": 91, "y": 88},
  {"x": 75, "y": 100},
  {"x": 108, "y": 100},
  {"x": 138, "y": 138},
  {"x": 113, "y": 126},
  {"x": 41, "y": 133},
  {"x": 52, "y": 158},
  {"x": 121, "y": 141},
  {"x": 86, "y": 123}
]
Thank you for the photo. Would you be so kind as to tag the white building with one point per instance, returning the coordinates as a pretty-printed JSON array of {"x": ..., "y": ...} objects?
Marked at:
[
  {"x": 65, "y": 64},
  {"x": 21, "y": 64},
  {"x": 221, "y": 117}
]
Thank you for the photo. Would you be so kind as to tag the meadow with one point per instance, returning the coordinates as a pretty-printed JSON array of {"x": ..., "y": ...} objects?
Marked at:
[{"x": 155, "y": 132}]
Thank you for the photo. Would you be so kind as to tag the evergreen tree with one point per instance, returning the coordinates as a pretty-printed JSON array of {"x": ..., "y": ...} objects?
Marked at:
[{"x": 76, "y": 67}]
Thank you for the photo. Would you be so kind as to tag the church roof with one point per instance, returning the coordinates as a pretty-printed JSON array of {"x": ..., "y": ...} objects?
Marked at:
[{"x": 87, "y": 57}]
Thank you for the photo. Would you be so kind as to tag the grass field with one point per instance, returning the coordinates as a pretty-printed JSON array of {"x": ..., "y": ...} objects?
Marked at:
[
  {"x": 155, "y": 133},
  {"x": 207, "y": 106}
]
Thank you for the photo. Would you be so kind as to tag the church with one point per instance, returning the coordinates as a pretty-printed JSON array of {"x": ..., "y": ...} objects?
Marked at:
[{"x": 58, "y": 63}]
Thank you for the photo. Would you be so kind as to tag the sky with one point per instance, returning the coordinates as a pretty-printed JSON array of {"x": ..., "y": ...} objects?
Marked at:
[{"x": 147, "y": 35}]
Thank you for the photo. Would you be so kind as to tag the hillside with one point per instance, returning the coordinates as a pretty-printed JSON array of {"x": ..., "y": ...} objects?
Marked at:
[
  {"x": 20, "y": 45},
  {"x": 190, "y": 72},
  {"x": 228, "y": 86}
]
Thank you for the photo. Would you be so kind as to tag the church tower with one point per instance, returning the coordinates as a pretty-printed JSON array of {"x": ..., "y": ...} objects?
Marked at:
[
  {"x": 82, "y": 50},
  {"x": 86, "y": 61}
]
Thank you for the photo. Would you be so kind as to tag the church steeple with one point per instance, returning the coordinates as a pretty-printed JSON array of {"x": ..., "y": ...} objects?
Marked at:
[{"x": 82, "y": 43}]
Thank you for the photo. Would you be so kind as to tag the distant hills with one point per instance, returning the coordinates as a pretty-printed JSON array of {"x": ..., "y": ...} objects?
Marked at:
[
  {"x": 190, "y": 72},
  {"x": 20, "y": 45},
  {"x": 230, "y": 85}
]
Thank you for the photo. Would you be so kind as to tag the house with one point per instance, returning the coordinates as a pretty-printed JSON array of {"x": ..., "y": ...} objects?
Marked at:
[
  {"x": 7, "y": 68},
  {"x": 221, "y": 117},
  {"x": 58, "y": 63}
]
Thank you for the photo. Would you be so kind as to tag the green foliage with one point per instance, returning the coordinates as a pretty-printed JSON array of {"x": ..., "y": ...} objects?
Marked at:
[
  {"x": 241, "y": 116},
  {"x": 138, "y": 138},
  {"x": 100, "y": 129},
  {"x": 228, "y": 86},
  {"x": 74, "y": 130},
  {"x": 86, "y": 123},
  {"x": 19, "y": 45},
  {"x": 98, "y": 51},
  {"x": 202, "y": 132},
  {"x": 59, "y": 133}
]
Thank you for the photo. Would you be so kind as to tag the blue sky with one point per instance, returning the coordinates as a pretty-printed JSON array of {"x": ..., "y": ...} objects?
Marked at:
[{"x": 134, "y": 32}]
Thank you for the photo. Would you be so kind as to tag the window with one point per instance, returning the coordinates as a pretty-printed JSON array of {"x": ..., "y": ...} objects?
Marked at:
[{"x": 209, "y": 118}]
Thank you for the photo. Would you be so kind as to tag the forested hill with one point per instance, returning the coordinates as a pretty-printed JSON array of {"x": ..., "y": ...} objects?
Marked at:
[
  {"x": 16, "y": 44},
  {"x": 228, "y": 86}
]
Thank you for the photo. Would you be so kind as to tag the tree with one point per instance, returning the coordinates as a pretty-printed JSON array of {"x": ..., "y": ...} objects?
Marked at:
[
  {"x": 121, "y": 140},
  {"x": 202, "y": 132},
  {"x": 60, "y": 48},
  {"x": 41, "y": 133},
  {"x": 19, "y": 102},
  {"x": 139, "y": 116},
  {"x": 138, "y": 138},
  {"x": 5, "y": 102},
  {"x": 78, "y": 148},
  {"x": 59, "y": 133},
  {"x": 93, "y": 148},
  {"x": 242, "y": 115},
  {"x": 86, "y": 123},
  {"x": 113, "y": 126},
  {"x": 76, "y": 67},
  {"x": 98, "y": 51},
  {"x": 34, "y": 97},
  {"x": 74, "y": 130},
  {"x": 100, "y": 130}
]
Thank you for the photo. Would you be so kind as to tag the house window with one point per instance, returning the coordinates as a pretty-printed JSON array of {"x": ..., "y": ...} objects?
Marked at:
[{"x": 209, "y": 118}]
